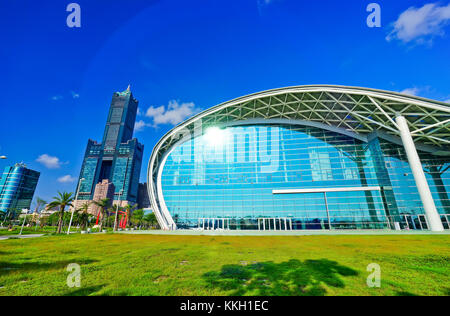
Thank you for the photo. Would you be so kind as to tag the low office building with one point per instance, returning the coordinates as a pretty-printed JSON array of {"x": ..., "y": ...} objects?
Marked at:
[
  {"x": 307, "y": 157},
  {"x": 17, "y": 187},
  {"x": 103, "y": 190}
]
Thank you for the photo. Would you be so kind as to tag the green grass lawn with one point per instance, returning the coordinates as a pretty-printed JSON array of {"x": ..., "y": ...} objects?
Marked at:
[
  {"x": 28, "y": 231},
  {"x": 48, "y": 230},
  {"x": 205, "y": 265}
]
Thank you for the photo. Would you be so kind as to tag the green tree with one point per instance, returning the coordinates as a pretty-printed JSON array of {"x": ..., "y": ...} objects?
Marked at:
[
  {"x": 115, "y": 218},
  {"x": 43, "y": 221},
  {"x": 61, "y": 201},
  {"x": 103, "y": 205},
  {"x": 83, "y": 215},
  {"x": 150, "y": 218},
  {"x": 138, "y": 215},
  {"x": 53, "y": 219},
  {"x": 39, "y": 204},
  {"x": 128, "y": 209},
  {"x": 110, "y": 215}
]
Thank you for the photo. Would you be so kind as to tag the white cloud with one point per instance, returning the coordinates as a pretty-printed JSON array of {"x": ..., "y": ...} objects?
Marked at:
[
  {"x": 173, "y": 114},
  {"x": 66, "y": 179},
  {"x": 49, "y": 161},
  {"x": 75, "y": 95},
  {"x": 411, "y": 91},
  {"x": 57, "y": 97},
  {"x": 421, "y": 25},
  {"x": 140, "y": 125}
]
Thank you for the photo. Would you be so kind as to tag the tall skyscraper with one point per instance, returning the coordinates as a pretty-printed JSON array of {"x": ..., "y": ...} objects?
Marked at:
[
  {"x": 118, "y": 158},
  {"x": 17, "y": 186}
]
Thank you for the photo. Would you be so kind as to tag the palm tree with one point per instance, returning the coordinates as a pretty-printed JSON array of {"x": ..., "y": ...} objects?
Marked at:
[
  {"x": 116, "y": 211},
  {"x": 138, "y": 215},
  {"x": 84, "y": 215},
  {"x": 103, "y": 205},
  {"x": 129, "y": 209},
  {"x": 151, "y": 219},
  {"x": 111, "y": 211},
  {"x": 62, "y": 201},
  {"x": 39, "y": 204}
]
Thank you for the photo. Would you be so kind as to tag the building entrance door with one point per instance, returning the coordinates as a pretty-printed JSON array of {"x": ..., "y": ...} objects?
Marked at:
[
  {"x": 274, "y": 224},
  {"x": 214, "y": 223}
]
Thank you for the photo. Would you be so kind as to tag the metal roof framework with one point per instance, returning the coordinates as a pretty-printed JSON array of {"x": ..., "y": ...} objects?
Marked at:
[{"x": 358, "y": 110}]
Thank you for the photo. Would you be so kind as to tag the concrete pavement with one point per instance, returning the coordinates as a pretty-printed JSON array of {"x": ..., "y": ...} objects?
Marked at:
[
  {"x": 284, "y": 233},
  {"x": 21, "y": 237}
]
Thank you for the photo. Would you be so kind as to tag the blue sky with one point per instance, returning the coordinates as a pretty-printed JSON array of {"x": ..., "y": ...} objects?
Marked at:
[{"x": 184, "y": 56}]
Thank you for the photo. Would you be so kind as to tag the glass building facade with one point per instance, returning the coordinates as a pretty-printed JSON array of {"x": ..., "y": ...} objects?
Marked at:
[
  {"x": 17, "y": 187},
  {"x": 228, "y": 181},
  {"x": 256, "y": 166},
  {"x": 119, "y": 157}
]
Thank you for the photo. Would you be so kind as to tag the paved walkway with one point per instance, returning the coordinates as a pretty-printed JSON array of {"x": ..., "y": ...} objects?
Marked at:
[
  {"x": 259, "y": 233},
  {"x": 21, "y": 237},
  {"x": 283, "y": 233}
]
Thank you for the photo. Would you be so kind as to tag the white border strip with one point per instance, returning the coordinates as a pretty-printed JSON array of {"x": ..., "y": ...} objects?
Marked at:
[{"x": 323, "y": 190}]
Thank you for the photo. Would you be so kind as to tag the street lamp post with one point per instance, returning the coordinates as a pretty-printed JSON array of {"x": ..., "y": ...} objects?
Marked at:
[
  {"x": 117, "y": 210},
  {"x": 23, "y": 223},
  {"x": 76, "y": 199}
]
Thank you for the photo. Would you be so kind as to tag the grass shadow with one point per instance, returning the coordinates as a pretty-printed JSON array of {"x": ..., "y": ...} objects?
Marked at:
[
  {"x": 10, "y": 267},
  {"x": 291, "y": 278},
  {"x": 403, "y": 293},
  {"x": 86, "y": 291}
]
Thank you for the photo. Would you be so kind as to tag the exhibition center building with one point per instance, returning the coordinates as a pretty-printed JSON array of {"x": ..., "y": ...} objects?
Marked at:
[{"x": 306, "y": 158}]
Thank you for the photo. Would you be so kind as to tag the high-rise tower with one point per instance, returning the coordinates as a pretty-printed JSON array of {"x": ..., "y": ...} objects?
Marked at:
[{"x": 118, "y": 158}]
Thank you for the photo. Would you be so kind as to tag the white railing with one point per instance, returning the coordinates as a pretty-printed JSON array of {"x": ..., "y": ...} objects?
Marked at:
[{"x": 394, "y": 222}]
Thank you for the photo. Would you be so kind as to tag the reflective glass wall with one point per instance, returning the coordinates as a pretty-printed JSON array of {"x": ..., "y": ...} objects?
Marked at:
[
  {"x": 17, "y": 186},
  {"x": 225, "y": 179},
  {"x": 407, "y": 197},
  {"x": 231, "y": 174}
]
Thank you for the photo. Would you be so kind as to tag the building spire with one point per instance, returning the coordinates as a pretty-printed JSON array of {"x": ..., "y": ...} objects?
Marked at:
[{"x": 129, "y": 87}]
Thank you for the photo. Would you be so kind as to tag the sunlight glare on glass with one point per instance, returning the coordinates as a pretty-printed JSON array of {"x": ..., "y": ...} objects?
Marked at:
[{"x": 215, "y": 136}]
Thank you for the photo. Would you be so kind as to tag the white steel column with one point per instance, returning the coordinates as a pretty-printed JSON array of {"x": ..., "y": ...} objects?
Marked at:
[{"x": 431, "y": 212}]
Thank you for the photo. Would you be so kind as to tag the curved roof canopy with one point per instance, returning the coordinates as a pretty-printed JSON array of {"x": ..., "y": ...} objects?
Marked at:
[{"x": 359, "y": 110}]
